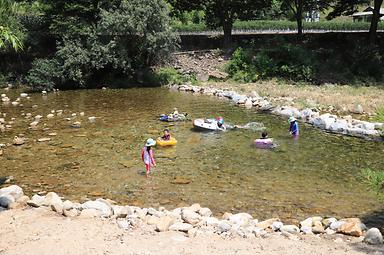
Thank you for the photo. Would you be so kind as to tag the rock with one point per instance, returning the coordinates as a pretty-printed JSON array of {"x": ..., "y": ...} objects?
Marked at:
[
  {"x": 180, "y": 180},
  {"x": 318, "y": 228},
  {"x": 248, "y": 103},
  {"x": 267, "y": 223},
  {"x": 195, "y": 207},
  {"x": 90, "y": 213},
  {"x": 358, "y": 109},
  {"x": 329, "y": 231},
  {"x": 190, "y": 216},
  {"x": 45, "y": 139},
  {"x": 152, "y": 220},
  {"x": 103, "y": 207},
  {"x": 179, "y": 226},
  {"x": 210, "y": 221},
  {"x": 327, "y": 222},
  {"x": 164, "y": 223},
  {"x": 52, "y": 198},
  {"x": 306, "y": 230},
  {"x": 22, "y": 200},
  {"x": 67, "y": 205},
  {"x": 324, "y": 121},
  {"x": 36, "y": 201},
  {"x": 121, "y": 211},
  {"x": 15, "y": 191},
  {"x": 76, "y": 124},
  {"x": 205, "y": 212},
  {"x": 351, "y": 228},
  {"x": 226, "y": 216},
  {"x": 306, "y": 223},
  {"x": 276, "y": 225},
  {"x": 123, "y": 224},
  {"x": 337, "y": 224},
  {"x": 223, "y": 226},
  {"x": 6, "y": 200},
  {"x": 339, "y": 126},
  {"x": 292, "y": 229},
  {"x": 192, "y": 232},
  {"x": 57, "y": 207},
  {"x": 373, "y": 236},
  {"x": 240, "y": 219},
  {"x": 71, "y": 213}
]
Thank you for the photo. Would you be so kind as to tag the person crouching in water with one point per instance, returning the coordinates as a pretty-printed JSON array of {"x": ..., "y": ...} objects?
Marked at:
[
  {"x": 293, "y": 127},
  {"x": 147, "y": 156},
  {"x": 220, "y": 123},
  {"x": 167, "y": 135}
]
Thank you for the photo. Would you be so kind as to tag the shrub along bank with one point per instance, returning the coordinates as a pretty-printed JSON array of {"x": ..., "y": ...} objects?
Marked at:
[{"x": 315, "y": 61}]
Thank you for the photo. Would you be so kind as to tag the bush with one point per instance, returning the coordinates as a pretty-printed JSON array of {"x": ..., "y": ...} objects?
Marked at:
[
  {"x": 44, "y": 74},
  {"x": 288, "y": 61},
  {"x": 375, "y": 180},
  {"x": 167, "y": 75}
]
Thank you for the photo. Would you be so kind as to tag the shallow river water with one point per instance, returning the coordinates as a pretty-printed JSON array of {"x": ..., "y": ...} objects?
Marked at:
[{"x": 319, "y": 174}]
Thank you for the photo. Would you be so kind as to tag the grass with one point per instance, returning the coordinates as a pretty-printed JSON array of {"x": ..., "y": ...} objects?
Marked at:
[
  {"x": 379, "y": 114},
  {"x": 375, "y": 180},
  {"x": 342, "y": 98},
  {"x": 281, "y": 25}
]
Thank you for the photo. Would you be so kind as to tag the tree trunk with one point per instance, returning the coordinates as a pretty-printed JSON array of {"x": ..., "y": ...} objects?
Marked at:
[
  {"x": 375, "y": 21},
  {"x": 227, "y": 28},
  {"x": 299, "y": 17}
]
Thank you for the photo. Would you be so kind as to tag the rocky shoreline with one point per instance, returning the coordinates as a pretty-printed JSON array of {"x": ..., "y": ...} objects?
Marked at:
[
  {"x": 192, "y": 221},
  {"x": 344, "y": 125}
]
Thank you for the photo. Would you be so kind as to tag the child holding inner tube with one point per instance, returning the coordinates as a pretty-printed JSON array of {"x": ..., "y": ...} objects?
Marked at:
[{"x": 147, "y": 156}]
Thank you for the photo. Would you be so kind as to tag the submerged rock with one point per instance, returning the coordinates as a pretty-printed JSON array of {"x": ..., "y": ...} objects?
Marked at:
[{"x": 181, "y": 180}]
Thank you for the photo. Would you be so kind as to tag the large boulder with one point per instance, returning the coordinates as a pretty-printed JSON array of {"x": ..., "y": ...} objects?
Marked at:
[
  {"x": 352, "y": 226},
  {"x": 104, "y": 208},
  {"x": 15, "y": 191},
  {"x": 339, "y": 126},
  {"x": 373, "y": 236},
  {"x": 324, "y": 121},
  {"x": 205, "y": 212}
]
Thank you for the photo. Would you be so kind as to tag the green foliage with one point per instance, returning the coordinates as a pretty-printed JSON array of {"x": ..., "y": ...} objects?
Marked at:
[
  {"x": 168, "y": 75},
  {"x": 127, "y": 40},
  {"x": 11, "y": 30},
  {"x": 379, "y": 115},
  {"x": 288, "y": 61},
  {"x": 375, "y": 180},
  {"x": 44, "y": 74}
]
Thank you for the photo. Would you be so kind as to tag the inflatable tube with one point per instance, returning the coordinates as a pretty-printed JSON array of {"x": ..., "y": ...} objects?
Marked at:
[
  {"x": 161, "y": 142},
  {"x": 207, "y": 125},
  {"x": 264, "y": 143},
  {"x": 170, "y": 118}
]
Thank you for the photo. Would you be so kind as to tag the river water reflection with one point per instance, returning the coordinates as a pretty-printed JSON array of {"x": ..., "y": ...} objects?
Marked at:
[{"x": 317, "y": 175}]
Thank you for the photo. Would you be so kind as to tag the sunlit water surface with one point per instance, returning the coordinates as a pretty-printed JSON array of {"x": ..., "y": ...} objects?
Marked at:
[{"x": 319, "y": 174}]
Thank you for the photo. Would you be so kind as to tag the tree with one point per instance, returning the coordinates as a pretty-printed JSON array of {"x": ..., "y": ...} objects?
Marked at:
[
  {"x": 223, "y": 13},
  {"x": 126, "y": 39},
  {"x": 347, "y": 7},
  {"x": 11, "y": 31},
  {"x": 298, "y": 7}
]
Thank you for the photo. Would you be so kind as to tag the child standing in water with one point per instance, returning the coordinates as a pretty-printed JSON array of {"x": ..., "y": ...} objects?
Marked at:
[
  {"x": 147, "y": 155},
  {"x": 293, "y": 127}
]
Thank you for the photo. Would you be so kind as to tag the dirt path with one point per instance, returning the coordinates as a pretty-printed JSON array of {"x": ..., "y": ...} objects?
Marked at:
[{"x": 40, "y": 231}]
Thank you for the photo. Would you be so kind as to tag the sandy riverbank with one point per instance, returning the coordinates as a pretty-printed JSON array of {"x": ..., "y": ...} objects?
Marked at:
[{"x": 41, "y": 231}]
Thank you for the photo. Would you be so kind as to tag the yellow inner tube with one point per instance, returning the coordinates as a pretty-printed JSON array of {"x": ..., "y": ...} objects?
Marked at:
[{"x": 162, "y": 142}]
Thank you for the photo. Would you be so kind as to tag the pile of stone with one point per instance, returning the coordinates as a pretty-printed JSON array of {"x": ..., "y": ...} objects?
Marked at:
[
  {"x": 345, "y": 125},
  {"x": 193, "y": 220}
]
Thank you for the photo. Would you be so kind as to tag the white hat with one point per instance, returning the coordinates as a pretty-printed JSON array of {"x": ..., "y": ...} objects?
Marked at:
[
  {"x": 291, "y": 119},
  {"x": 150, "y": 142}
]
